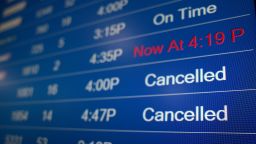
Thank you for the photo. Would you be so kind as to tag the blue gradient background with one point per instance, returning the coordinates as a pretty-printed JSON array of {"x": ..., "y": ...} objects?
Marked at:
[{"x": 238, "y": 91}]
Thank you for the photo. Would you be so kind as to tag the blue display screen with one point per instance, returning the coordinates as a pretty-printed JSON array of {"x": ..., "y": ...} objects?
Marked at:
[{"x": 127, "y": 72}]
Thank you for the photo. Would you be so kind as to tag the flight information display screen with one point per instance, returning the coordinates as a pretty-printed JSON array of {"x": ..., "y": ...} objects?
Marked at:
[{"x": 127, "y": 72}]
